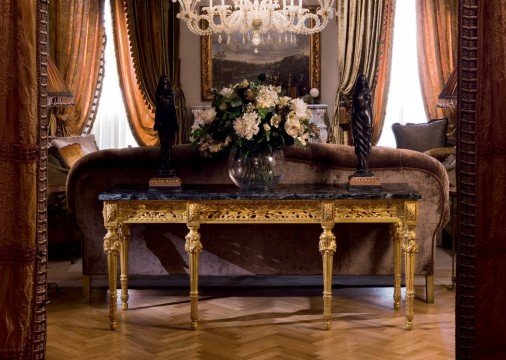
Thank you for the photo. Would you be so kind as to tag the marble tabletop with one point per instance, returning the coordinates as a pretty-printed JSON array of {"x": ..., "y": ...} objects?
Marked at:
[{"x": 281, "y": 192}]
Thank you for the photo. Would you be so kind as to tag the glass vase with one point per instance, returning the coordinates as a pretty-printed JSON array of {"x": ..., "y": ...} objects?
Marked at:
[{"x": 259, "y": 170}]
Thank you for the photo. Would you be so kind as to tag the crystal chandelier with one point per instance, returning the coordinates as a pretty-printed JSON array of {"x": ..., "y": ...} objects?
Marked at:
[{"x": 255, "y": 16}]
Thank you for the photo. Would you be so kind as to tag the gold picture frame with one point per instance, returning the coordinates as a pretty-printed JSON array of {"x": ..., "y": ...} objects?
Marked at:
[{"x": 206, "y": 66}]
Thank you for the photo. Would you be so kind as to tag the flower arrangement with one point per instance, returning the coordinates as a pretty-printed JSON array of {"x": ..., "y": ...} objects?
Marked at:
[{"x": 252, "y": 118}]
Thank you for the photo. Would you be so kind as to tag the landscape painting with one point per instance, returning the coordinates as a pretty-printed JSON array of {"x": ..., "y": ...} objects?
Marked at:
[{"x": 288, "y": 60}]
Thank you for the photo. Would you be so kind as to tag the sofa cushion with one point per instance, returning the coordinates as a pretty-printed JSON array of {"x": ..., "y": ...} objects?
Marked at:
[
  {"x": 87, "y": 142},
  {"x": 421, "y": 137},
  {"x": 70, "y": 154}
]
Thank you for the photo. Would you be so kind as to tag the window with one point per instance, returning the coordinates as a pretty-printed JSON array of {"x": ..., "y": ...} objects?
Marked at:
[
  {"x": 405, "y": 103},
  {"x": 111, "y": 126}
]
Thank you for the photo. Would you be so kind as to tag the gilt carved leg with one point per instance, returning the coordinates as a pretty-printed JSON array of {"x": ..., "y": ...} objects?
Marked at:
[
  {"x": 193, "y": 247},
  {"x": 397, "y": 236},
  {"x": 111, "y": 249},
  {"x": 327, "y": 246},
  {"x": 124, "y": 234},
  {"x": 410, "y": 247}
]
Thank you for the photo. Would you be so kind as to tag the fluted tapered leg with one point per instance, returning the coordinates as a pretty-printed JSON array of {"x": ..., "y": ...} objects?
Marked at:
[
  {"x": 125, "y": 239},
  {"x": 111, "y": 249},
  {"x": 193, "y": 247},
  {"x": 410, "y": 247},
  {"x": 327, "y": 247},
  {"x": 397, "y": 236}
]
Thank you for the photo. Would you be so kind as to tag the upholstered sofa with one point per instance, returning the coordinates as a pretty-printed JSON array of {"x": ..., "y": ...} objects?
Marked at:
[{"x": 248, "y": 250}]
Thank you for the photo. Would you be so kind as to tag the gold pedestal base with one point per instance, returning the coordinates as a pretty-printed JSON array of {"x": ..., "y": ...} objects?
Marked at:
[
  {"x": 361, "y": 183},
  {"x": 166, "y": 182}
]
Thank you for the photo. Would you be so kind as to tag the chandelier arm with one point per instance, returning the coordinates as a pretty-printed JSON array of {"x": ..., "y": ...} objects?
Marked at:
[{"x": 258, "y": 16}]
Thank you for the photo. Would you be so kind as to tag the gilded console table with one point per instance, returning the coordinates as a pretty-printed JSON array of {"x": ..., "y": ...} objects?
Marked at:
[{"x": 396, "y": 204}]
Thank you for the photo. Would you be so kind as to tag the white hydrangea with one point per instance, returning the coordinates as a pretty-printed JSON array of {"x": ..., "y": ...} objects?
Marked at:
[
  {"x": 214, "y": 148},
  {"x": 267, "y": 127},
  {"x": 275, "y": 120},
  {"x": 300, "y": 107},
  {"x": 284, "y": 101},
  {"x": 267, "y": 97},
  {"x": 196, "y": 123},
  {"x": 292, "y": 125},
  {"x": 206, "y": 116},
  {"x": 250, "y": 107},
  {"x": 204, "y": 144},
  {"x": 247, "y": 125},
  {"x": 227, "y": 92}
]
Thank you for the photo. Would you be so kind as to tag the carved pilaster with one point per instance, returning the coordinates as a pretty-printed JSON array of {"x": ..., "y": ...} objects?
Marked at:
[
  {"x": 193, "y": 213},
  {"x": 110, "y": 213},
  {"x": 409, "y": 244},
  {"x": 327, "y": 212},
  {"x": 192, "y": 244},
  {"x": 112, "y": 241},
  {"x": 193, "y": 247},
  {"x": 112, "y": 245},
  {"x": 410, "y": 247},
  {"x": 124, "y": 235},
  {"x": 410, "y": 212},
  {"x": 396, "y": 235},
  {"x": 327, "y": 247},
  {"x": 327, "y": 244}
]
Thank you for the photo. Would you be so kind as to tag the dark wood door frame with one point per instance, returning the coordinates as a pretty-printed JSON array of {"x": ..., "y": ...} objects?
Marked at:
[
  {"x": 481, "y": 182},
  {"x": 466, "y": 176}
]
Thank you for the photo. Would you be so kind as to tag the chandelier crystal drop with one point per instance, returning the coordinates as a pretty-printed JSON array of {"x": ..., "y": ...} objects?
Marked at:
[{"x": 257, "y": 17}]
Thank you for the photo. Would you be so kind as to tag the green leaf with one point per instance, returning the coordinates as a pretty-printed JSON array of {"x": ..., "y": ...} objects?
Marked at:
[
  {"x": 263, "y": 113},
  {"x": 236, "y": 102}
]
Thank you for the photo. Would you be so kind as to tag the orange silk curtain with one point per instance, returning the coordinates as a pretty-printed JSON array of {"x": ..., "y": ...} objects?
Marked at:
[
  {"x": 146, "y": 35},
  {"x": 382, "y": 76},
  {"x": 18, "y": 166},
  {"x": 365, "y": 31},
  {"x": 77, "y": 40},
  {"x": 437, "y": 49}
]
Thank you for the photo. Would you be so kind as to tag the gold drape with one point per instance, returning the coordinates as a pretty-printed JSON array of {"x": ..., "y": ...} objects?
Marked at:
[
  {"x": 146, "y": 35},
  {"x": 437, "y": 52},
  {"x": 77, "y": 40},
  {"x": 18, "y": 168},
  {"x": 364, "y": 45}
]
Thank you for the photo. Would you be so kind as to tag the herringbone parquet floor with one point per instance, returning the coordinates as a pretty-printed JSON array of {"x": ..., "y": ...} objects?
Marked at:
[{"x": 279, "y": 323}]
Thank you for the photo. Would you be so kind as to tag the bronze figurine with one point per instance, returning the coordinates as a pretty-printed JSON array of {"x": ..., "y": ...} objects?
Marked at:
[
  {"x": 361, "y": 125},
  {"x": 167, "y": 127}
]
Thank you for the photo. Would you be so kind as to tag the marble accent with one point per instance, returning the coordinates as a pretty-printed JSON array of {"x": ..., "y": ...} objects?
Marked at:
[
  {"x": 318, "y": 112},
  {"x": 282, "y": 192}
]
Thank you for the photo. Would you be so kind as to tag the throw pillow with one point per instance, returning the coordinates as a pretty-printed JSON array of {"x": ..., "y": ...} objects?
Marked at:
[
  {"x": 71, "y": 153},
  {"x": 87, "y": 142},
  {"x": 421, "y": 137}
]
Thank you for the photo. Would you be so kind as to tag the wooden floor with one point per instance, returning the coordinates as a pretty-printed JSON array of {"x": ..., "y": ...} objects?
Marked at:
[{"x": 275, "y": 323}]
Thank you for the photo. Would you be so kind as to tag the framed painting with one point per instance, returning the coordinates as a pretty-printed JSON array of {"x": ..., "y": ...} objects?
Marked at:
[{"x": 289, "y": 60}]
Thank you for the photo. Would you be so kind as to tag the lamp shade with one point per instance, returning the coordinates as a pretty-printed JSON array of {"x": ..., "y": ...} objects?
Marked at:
[
  {"x": 58, "y": 94},
  {"x": 448, "y": 97}
]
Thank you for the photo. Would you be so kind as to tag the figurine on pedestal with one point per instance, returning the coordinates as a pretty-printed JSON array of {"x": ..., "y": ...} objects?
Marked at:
[
  {"x": 361, "y": 125},
  {"x": 167, "y": 127}
]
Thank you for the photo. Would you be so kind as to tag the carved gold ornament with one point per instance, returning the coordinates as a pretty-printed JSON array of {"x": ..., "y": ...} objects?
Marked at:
[{"x": 402, "y": 214}]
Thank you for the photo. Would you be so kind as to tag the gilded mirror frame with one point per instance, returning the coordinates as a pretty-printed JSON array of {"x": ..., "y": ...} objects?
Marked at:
[{"x": 206, "y": 64}]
